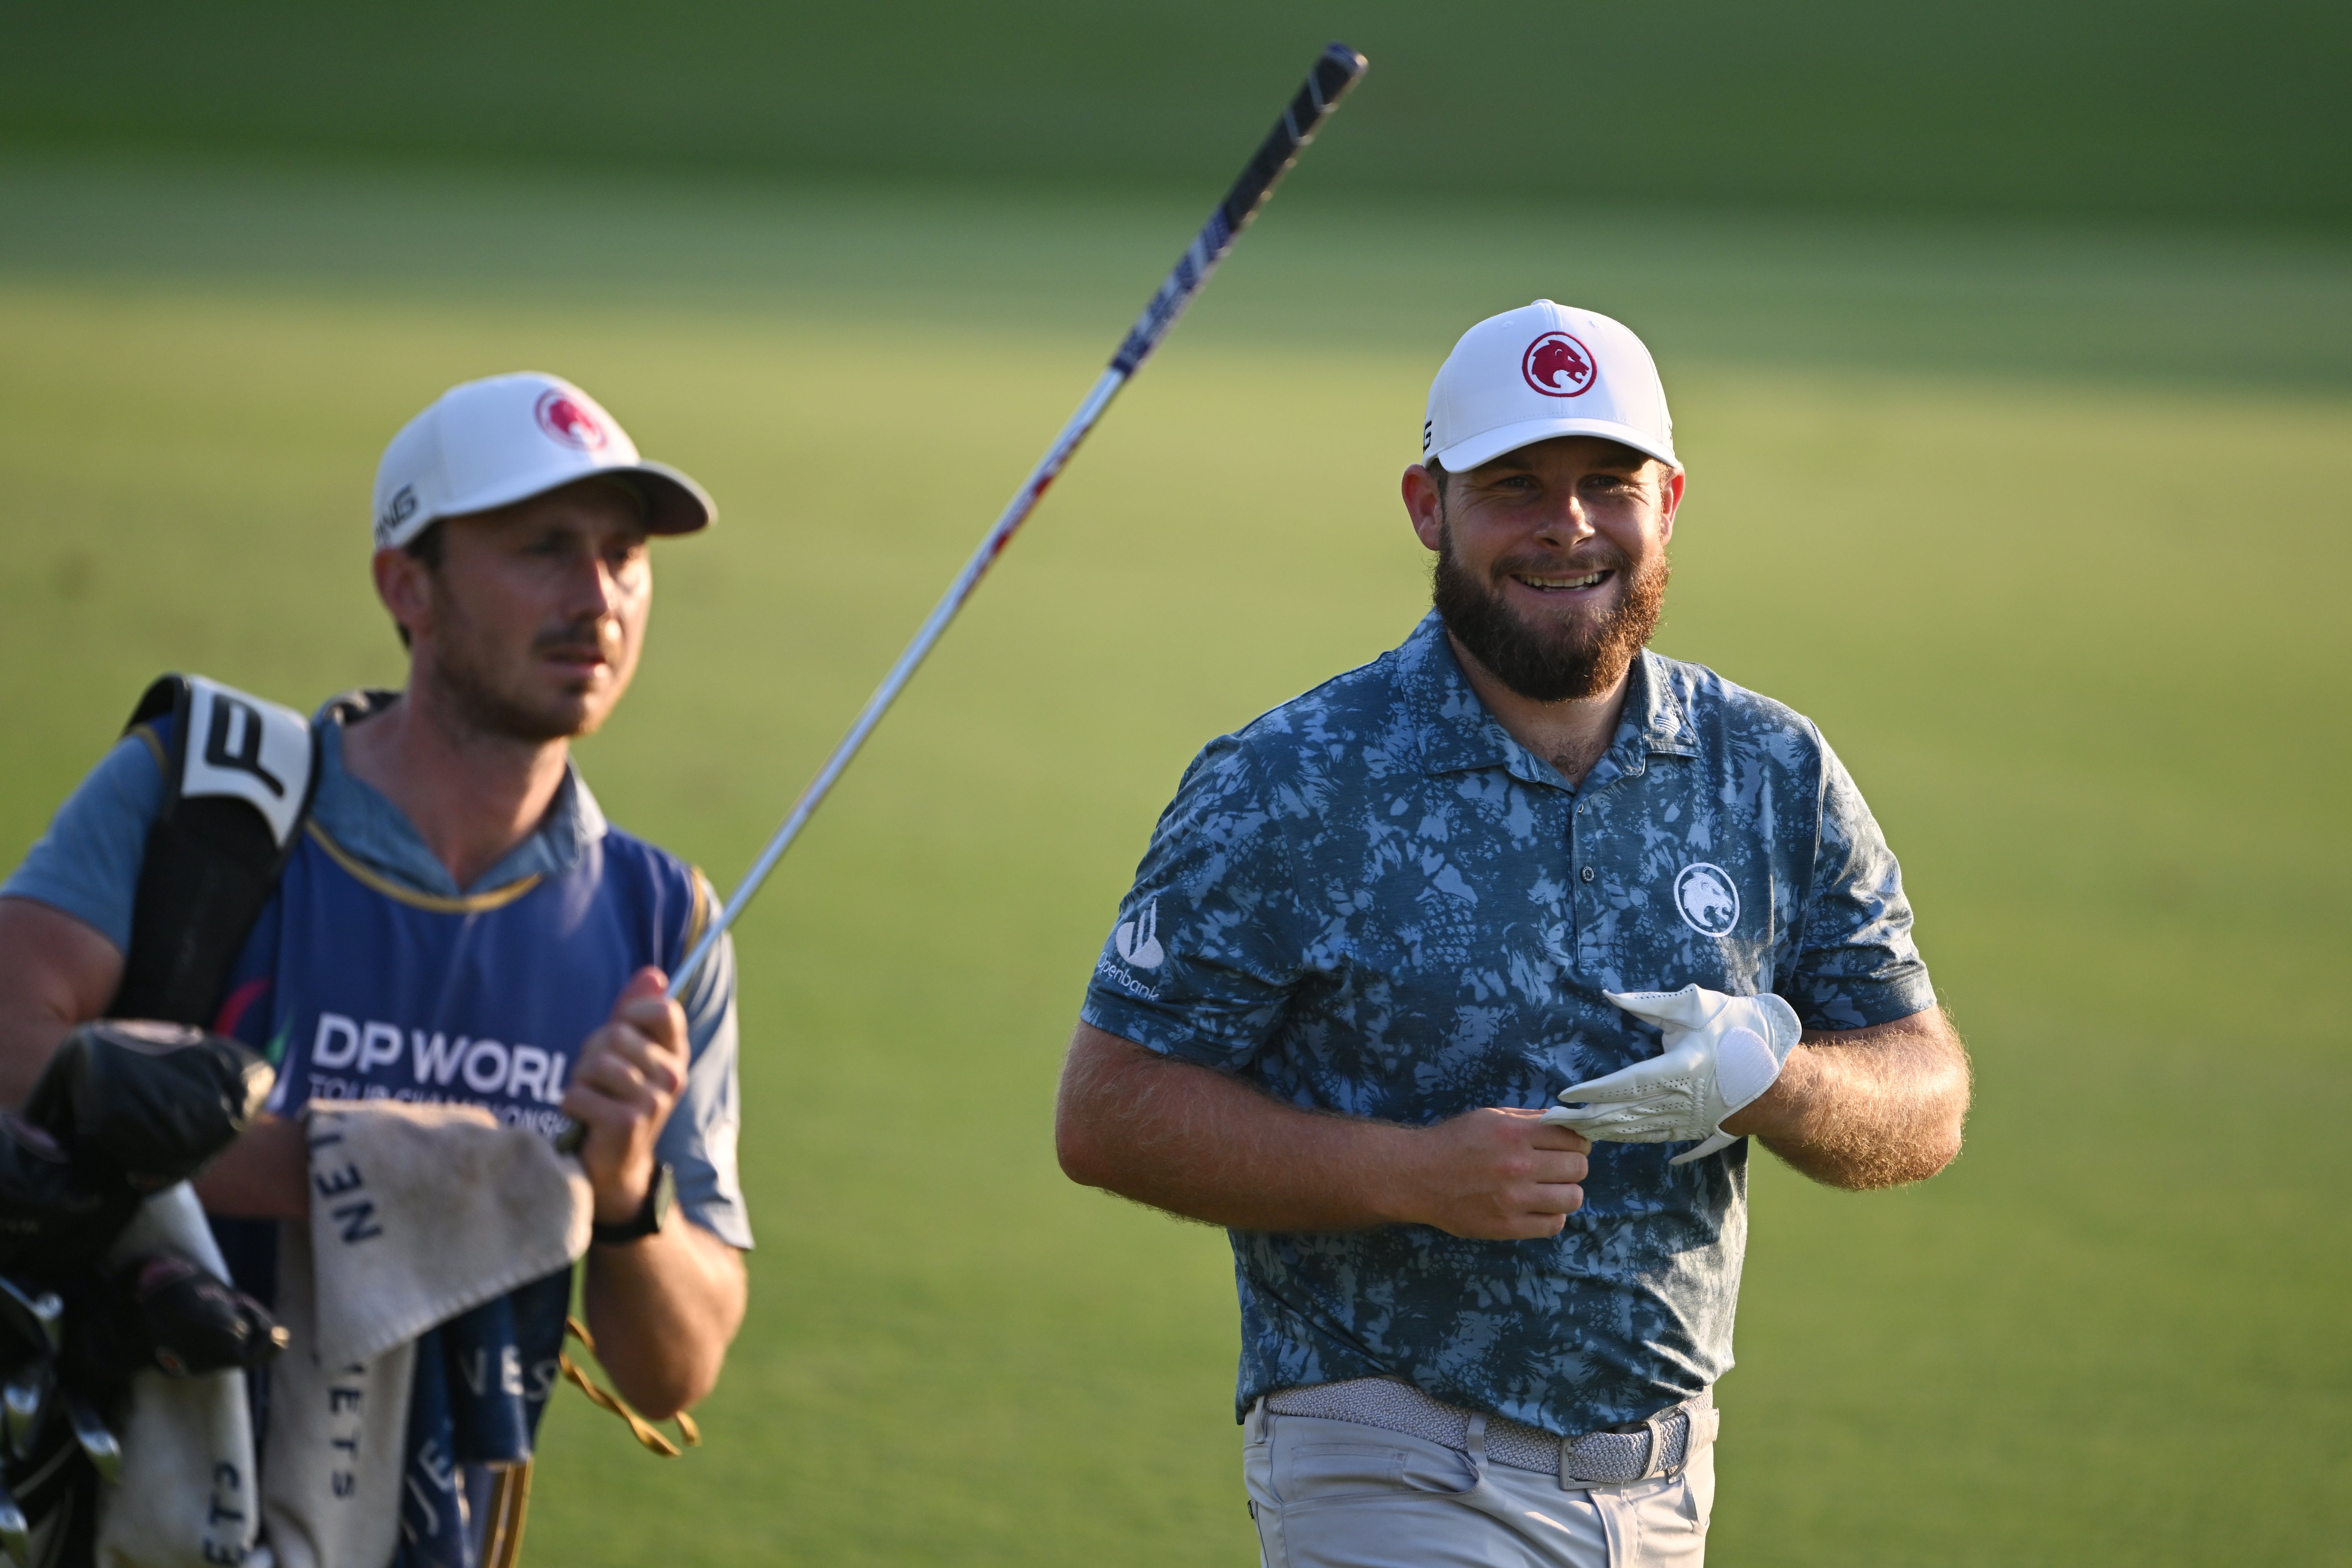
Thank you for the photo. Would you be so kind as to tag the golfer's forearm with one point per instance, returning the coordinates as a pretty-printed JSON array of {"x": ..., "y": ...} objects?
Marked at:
[
  {"x": 1198, "y": 1144},
  {"x": 664, "y": 1310},
  {"x": 1867, "y": 1108}
]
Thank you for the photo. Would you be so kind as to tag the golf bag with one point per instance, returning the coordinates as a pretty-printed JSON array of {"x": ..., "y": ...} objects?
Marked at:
[{"x": 127, "y": 1107}]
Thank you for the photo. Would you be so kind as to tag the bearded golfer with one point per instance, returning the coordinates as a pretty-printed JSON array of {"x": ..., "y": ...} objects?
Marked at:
[{"x": 1455, "y": 988}]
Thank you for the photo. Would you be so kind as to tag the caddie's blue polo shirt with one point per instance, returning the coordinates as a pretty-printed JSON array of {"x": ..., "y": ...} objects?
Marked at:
[{"x": 1373, "y": 901}]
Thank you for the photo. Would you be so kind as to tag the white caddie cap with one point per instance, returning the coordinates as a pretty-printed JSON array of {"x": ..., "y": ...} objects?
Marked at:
[
  {"x": 490, "y": 443},
  {"x": 1541, "y": 371}
]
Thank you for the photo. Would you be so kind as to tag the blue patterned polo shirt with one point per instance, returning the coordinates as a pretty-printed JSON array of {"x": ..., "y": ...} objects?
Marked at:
[{"x": 1373, "y": 901}]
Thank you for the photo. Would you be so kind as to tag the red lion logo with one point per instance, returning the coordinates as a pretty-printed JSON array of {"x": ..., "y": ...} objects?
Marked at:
[
  {"x": 564, "y": 420},
  {"x": 1559, "y": 366}
]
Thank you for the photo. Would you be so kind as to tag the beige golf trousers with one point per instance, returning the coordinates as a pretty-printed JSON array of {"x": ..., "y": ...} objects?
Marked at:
[{"x": 1336, "y": 1494}]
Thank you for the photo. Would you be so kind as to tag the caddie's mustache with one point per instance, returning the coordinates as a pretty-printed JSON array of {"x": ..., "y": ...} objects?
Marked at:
[{"x": 596, "y": 640}]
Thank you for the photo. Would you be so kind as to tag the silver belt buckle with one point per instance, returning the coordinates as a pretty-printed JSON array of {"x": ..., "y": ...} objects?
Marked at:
[
  {"x": 1654, "y": 1464},
  {"x": 1569, "y": 1481}
]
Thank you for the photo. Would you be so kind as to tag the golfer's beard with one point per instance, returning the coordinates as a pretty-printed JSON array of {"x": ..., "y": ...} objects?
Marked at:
[{"x": 1582, "y": 658}]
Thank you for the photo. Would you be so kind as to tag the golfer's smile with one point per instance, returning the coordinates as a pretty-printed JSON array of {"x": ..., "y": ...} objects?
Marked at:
[{"x": 1559, "y": 586}]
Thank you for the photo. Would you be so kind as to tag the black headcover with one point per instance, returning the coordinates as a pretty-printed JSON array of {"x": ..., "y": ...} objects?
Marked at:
[
  {"x": 164, "y": 1311},
  {"x": 145, "y": 1104}
]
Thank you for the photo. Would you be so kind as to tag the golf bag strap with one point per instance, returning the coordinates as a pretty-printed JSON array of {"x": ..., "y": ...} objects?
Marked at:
[{"x": 238, "y": 777}]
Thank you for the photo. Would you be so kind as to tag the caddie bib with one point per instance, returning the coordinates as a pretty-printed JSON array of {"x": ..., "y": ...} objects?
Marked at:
[{"x": 356, "y": 988}]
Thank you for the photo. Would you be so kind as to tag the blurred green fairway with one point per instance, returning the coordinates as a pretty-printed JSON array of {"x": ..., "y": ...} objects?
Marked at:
[{"x": 2044, "y": 527}]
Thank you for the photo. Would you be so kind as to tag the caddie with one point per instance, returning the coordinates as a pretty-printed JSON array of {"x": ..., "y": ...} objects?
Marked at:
[
  {"x": 1455, "y": 988},
  {"x": 450, "y": 918}
]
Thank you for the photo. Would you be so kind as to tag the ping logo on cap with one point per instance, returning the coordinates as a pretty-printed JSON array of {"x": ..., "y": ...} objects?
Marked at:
[
  {"x": 399, "y": 509},
  {"x": 1558, "y": 366},
  {"x": 561, "y": 416}
]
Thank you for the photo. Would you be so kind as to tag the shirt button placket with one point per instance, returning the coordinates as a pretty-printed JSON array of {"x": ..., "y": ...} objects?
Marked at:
[{"x": 1588, "y": 922}]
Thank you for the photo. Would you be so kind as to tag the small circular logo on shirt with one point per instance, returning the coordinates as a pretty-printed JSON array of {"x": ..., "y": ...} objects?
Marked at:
[
  {"x": 563, "y": 419},
  {"x": 1559, "y": 365},
  {"x": 1708, "y": 902}
]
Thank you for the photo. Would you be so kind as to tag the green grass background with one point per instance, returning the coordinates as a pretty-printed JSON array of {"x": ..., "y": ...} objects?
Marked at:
[
  {"x": 2045, "y": 523},
  {"x": 2199, "y": 112}
]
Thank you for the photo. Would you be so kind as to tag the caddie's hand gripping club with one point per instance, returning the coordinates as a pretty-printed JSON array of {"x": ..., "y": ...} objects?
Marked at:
[{"x": 1335, "y": 72}]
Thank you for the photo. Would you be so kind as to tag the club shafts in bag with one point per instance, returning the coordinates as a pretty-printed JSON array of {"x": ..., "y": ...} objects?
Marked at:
[{"x": 1333, "y": 75}]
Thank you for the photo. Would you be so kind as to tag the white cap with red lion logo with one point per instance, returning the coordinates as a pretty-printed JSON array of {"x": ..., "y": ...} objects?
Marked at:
[
  {"x": 485, "y": 444},
  {"x": 1541, "y": 371}
]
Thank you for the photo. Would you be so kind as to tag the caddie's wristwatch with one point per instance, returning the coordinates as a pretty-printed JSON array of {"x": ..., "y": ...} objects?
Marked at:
[{"x": 659, "y": 1198}]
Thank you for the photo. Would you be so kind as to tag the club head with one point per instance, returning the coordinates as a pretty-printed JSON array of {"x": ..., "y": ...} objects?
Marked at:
[
  {"x": 104, "y": 1452},
  {"x": 25, "y": 1406},
  {"x": 38, "y": 1318}
]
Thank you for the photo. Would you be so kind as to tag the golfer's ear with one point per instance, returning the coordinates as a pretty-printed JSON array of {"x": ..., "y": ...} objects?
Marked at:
[
  {"x": 1424, "y": 505},
  {"x": 1670, "y": 503}
]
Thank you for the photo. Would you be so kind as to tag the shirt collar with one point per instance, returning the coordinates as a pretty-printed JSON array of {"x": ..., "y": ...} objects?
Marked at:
[
  {"x": 1655, "y": 712},
  {"x": 1459, "y": 733},
  {"x": 368, "y": 826}
]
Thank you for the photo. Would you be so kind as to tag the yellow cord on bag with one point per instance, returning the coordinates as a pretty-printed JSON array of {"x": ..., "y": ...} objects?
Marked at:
[{"x": 644, "y": 1431}]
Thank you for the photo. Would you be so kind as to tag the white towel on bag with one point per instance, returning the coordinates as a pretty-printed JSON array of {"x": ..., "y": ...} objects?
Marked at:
[
  {"x": 185, "y": 1499},
  {"x": 418, "y": 1213}
]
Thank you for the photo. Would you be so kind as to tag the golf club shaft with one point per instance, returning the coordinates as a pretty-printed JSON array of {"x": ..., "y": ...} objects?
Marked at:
[{"x": 1335, "y": 72}]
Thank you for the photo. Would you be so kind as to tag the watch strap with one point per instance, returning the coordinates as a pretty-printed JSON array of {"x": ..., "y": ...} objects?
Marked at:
[{"x": 660, "y": 1196}]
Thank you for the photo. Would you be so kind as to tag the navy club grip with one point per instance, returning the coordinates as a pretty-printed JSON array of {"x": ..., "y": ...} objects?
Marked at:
[{"x": 1339, "y": 69}]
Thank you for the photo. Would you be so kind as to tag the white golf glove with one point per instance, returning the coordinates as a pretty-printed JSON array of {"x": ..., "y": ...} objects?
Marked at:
[{"x": 1722, "y": 1052}]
